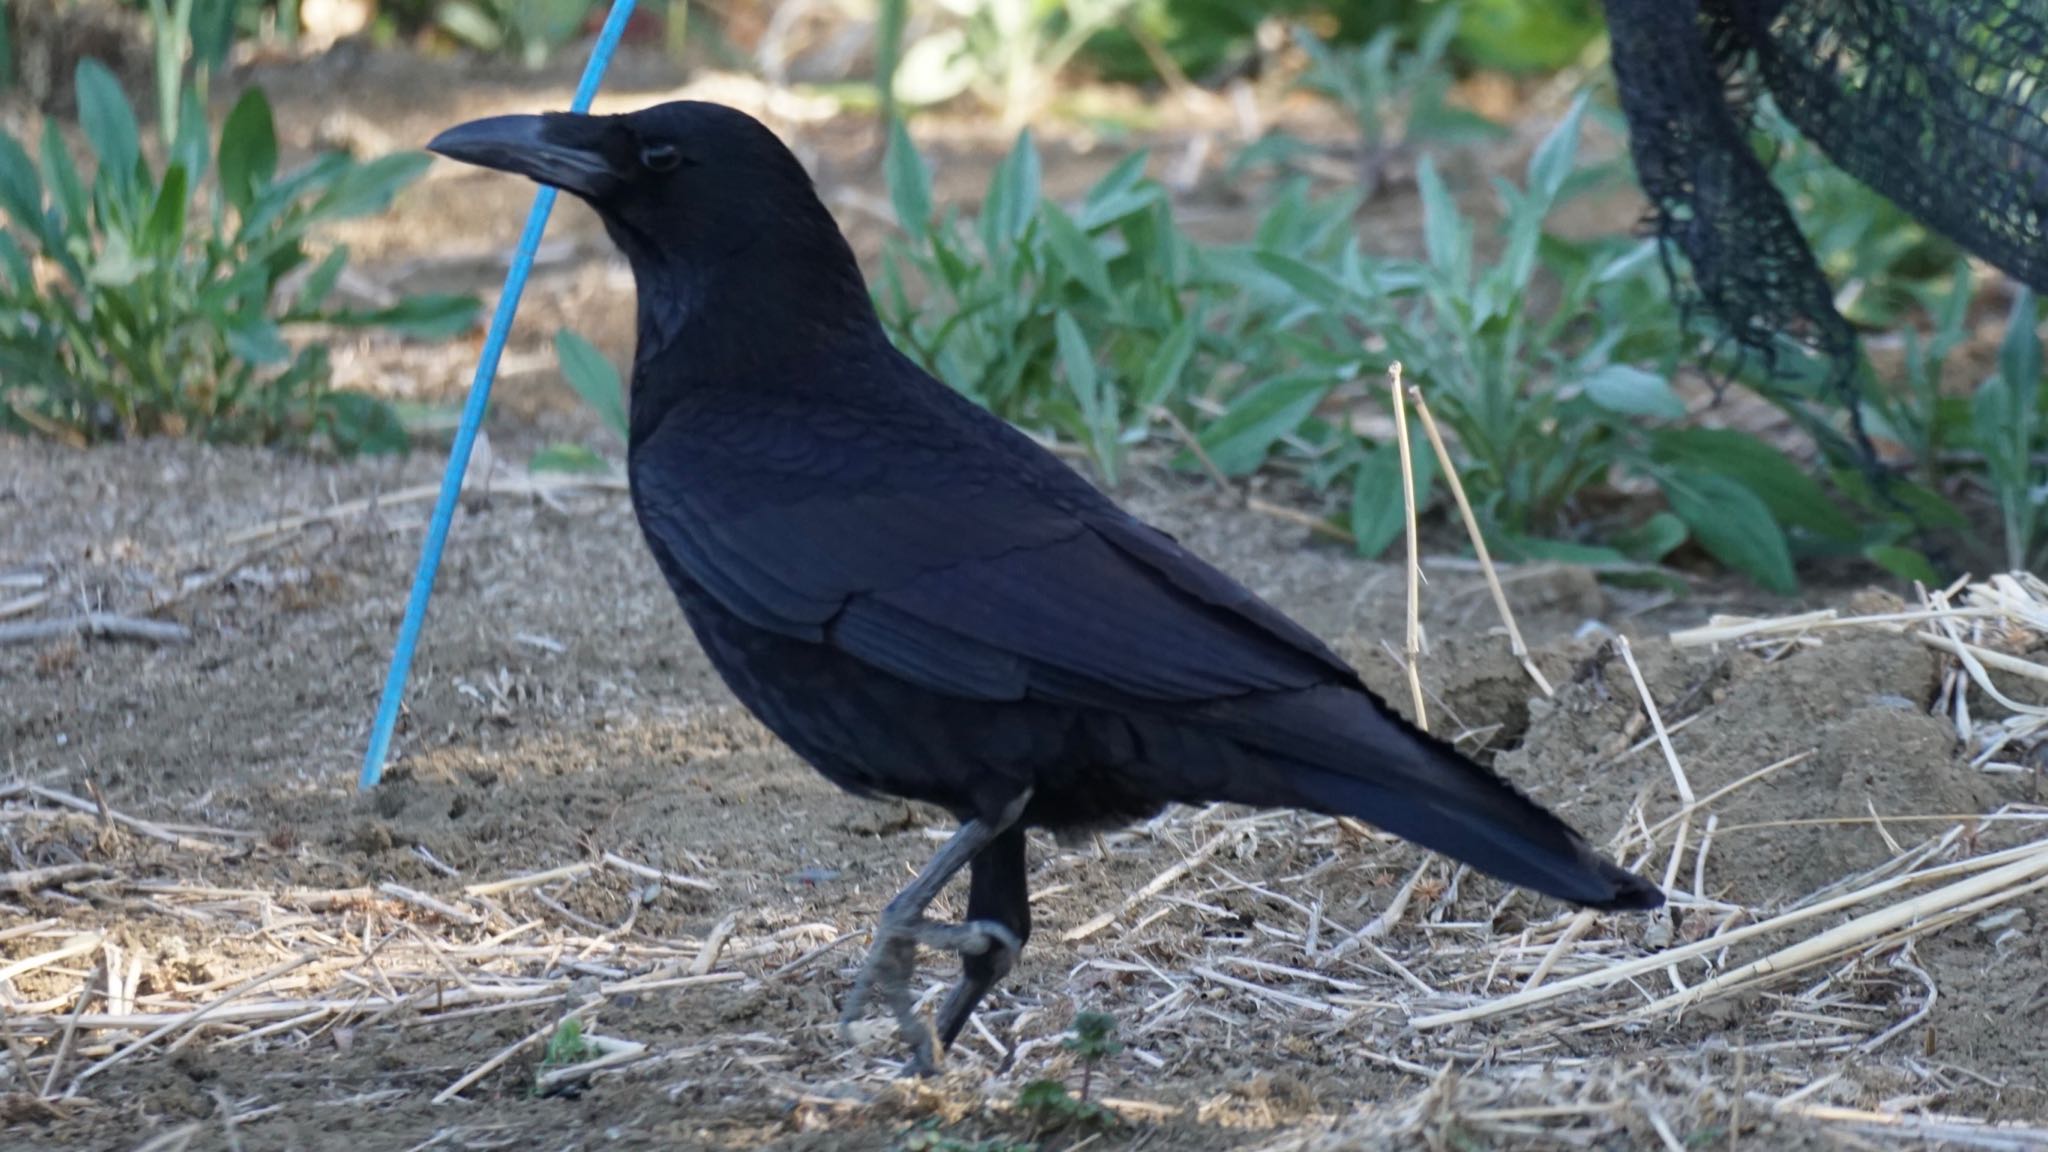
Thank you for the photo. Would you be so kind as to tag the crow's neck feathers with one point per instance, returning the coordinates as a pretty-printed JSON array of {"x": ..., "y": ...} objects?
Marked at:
[{"x": 747, "y": 313}]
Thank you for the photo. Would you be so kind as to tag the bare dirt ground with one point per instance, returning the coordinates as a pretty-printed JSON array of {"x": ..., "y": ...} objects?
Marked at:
[{"x": 237, "y": 950}]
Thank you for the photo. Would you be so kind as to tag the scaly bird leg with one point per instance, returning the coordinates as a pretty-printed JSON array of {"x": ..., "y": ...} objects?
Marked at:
[
  {"x": 997, "y": 893},
  {"x": 893, "y": 957}
]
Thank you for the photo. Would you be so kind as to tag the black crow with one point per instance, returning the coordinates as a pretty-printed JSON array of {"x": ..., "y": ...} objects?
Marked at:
[{"x": 926, "y": 604}]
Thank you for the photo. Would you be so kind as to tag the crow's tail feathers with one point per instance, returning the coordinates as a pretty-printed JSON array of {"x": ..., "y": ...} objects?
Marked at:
[
  {"x": 1479, "y": 819},
  {"x": 1344, "y": 755}
]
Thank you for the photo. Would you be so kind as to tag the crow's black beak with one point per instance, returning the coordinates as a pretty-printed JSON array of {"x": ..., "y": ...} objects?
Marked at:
[{"x": 562, "y": 150}]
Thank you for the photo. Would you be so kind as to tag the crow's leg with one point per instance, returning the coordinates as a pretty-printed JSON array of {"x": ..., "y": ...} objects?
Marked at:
[
  {"x": 893, "y": 957},
  {"x": 996, "y": 895}
]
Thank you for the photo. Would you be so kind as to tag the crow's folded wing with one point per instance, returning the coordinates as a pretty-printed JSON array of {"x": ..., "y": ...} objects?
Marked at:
[{"x": 984, "y": 586}]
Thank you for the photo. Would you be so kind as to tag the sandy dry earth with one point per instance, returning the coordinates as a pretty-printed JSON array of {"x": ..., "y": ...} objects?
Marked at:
[
  {"x": 366, "y": 955},
  {"x": 560, "y": 712}
]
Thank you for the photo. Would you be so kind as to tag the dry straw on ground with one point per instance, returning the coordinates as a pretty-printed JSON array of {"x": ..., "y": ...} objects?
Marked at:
[{"x": 1545, "y": 1033}]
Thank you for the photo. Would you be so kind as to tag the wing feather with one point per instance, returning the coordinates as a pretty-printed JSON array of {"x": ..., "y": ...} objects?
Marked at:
[{"x": 985, "y": 587}]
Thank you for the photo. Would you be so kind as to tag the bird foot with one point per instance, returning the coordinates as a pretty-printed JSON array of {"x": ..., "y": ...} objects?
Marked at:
[{"x": 892, "y": 960}]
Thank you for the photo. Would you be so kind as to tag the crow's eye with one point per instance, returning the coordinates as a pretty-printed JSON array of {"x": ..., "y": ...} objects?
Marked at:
[{"x": 660, "y": 157}]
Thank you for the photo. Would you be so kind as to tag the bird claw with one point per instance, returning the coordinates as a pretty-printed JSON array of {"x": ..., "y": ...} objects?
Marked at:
[{"x": 892, "y": 960}]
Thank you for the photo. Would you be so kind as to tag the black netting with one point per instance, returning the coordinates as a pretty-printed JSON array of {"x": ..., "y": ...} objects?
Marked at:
[{"x": 1940, "y": 105}]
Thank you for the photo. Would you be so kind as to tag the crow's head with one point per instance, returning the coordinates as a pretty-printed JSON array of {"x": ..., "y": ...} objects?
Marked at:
[{"x": 680, "y": 183}]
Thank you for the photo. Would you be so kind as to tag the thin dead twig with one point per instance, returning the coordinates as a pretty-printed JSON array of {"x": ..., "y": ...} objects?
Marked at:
[
  {"x": 100, "y": 625},
  {"x": 421, "y": 493},
  {"x": 620, "y": 863},
  {"x": 100, "y": 972},
  {"x": 29, "y": 880},
  {"x": 530, "y": 879},
  {"x": 1157, "y": 885},
  {"x": 175, "y": 834},
  {"x": 1308, "y": 520},
  {"x": 82, "y": 944},
  {"x": 2033, "y": 854},
  {"x": 536, "y": 1036},
  {"x": 1972, "y": 895},
  {"x": 188, "y": 1020},
  {"x": 714, "y": 944},
  {"x": 1500, "y": 596},
  {"x": 1678, "y": 776},
  {"x": 1413, "y": 646}
]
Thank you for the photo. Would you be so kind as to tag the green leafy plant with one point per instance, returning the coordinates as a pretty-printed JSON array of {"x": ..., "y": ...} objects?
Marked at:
[
  {"x": 566, "y": 1046},
  {"x": 1092, "y": 1038},
  {"x": 1006, "y": 52},
  {"x": 1879, "y": 258},
  {"x": 1203, "y": 38},
  {"x": 1544, "y": 397},
  {"x": 1549, "y": 365},
  {"x": 1084, "y": 323},
  {"x": 1915, "y": 414},
  {"x": 593, "y": 378},
  {"x": 157, "y": 298},
  {"x": 531, "y": 30},
  {"x": 1527, "y": 35},
  {"x": 2006, "y": 419},
  {"x": 1395, "y": 97}
]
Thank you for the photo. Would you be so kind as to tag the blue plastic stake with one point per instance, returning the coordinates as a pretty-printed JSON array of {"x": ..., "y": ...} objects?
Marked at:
[{"x": 473, "y": 417}]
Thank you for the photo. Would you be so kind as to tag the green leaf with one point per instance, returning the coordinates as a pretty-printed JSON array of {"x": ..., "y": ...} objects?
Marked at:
[
  {"x": 471, "y": 24},
  {"x": 1242, "y": 268},
  {"x": 66, "y": 189},
  {"x": 1122, "y": 191},
  {"x": 1075, "y": 359},
  {"x": 366, "y": 189},
  {"x": 1552, "y": 163},
  {"x": 910, "y": 183},
  {"x": 593, "y": 378},
  {"x": 1793, "y": 496},
  {"x": 1733, "y": 524},
  {"x": 21, "y": 194},
  {"x": 258, "y": 341},
  {"x": 164, "y": 233},
  {"x": 1169, "y": 360},
  {"x": 434, "y": 316},
  {"x": 108, "y": 121},
  {"x": 1928, "y": 507},
  {"x": 1097, "y": 408},
  {"x": 1991, "y": 424},
  {"x": 191, "y": 147},
  {"x": 1657, "y": 538},
  {"x": 1238, "y": 441},
  {"x": 357, "y": 422},
  {"x": 320, "y": 282},
  {"x": 1076, "y": 253},
  {"x": 1043, "y": 1096},
  {"x": 213, "y": 33},
  {"x": 248, "y": 150},
  {"x": 1012, "y": 195},
  {"x": 1631, "y": 391},
  {"x": 572, "y": 458},
  {"x": 1443, "y": 227},
  {"x": 2019, "y": 356},
  {"x": 1638, "y": 259},
  {"x": 1905, "y": 563},
  {"x": 1437, "y": 122},
  {"x": 118, "y": 264},
  {"x": 15, "y": 272},
  {"x": 1379, "y": 509},
  {"x": 1314, "y": 285}
]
